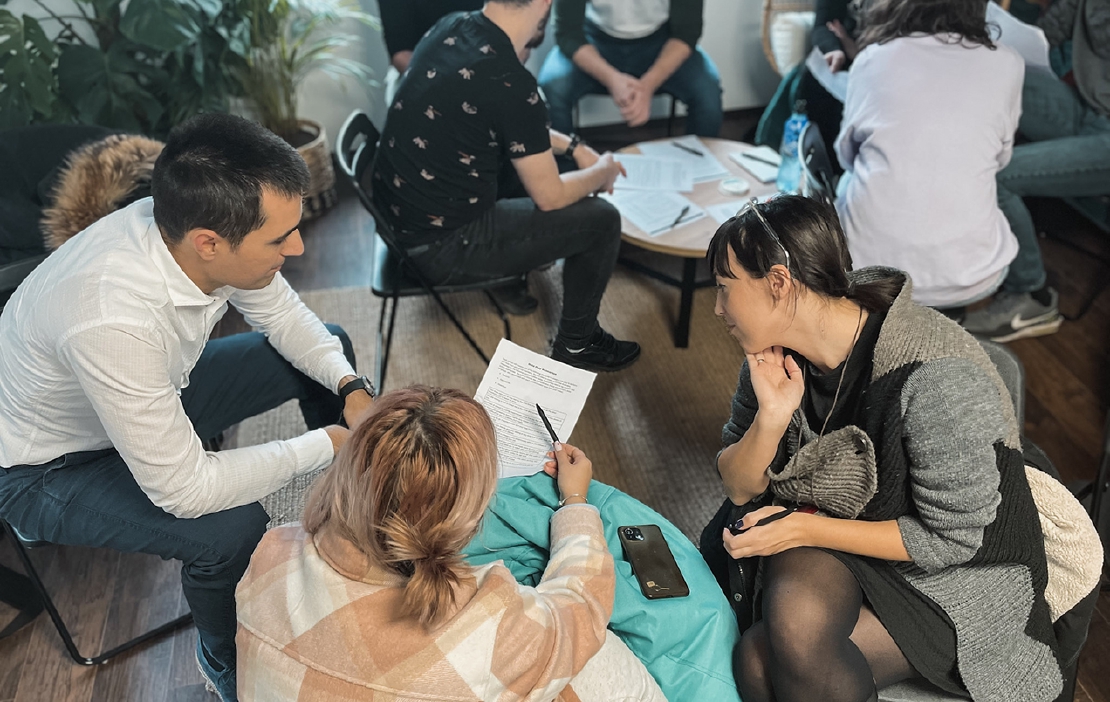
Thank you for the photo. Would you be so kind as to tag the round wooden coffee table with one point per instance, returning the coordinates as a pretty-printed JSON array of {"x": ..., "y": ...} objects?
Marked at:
[{"x": 691, "y": 241}]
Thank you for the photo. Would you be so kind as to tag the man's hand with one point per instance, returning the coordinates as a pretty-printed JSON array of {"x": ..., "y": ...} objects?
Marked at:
[
  {"x": 612, "y": 169},
  {"x": 637, "y": 112},
  {"x": 623, "y": 89},
  {"x": 338, "y": 436},
  {"x": 836, "y": 60},
  {"x": 356, "y": 404}
]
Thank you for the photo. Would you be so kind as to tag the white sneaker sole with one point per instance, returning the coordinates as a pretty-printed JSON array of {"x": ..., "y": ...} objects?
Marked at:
[{"x": 1046, "y": 328}]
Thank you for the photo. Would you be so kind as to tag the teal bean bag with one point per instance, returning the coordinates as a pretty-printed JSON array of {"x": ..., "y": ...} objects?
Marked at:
[{"x": 686, "y": 643}]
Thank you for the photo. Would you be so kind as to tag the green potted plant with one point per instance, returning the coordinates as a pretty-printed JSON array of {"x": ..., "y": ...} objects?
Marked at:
[
  {"x": 136, "y": 66},
  {"x": 291, "y": 40}
]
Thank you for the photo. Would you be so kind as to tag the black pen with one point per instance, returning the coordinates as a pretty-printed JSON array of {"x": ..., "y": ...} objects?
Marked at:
[
  {"x": 554, "y": 439},
  {"x": 687, "y": 149},
  {"x": 677, "y": 219},
  {"x": 738, "y": 527},
  {"x": 749, "y": 154}
]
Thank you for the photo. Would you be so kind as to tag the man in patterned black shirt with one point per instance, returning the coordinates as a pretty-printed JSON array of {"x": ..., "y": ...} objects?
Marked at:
[{"x": 465, "y": 110}]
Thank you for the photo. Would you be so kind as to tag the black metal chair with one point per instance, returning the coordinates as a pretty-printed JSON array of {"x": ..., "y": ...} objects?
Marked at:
[
  {"x": 818, "y": 174},
  {"x": 395, "y": 275},
  {"x": 21, "y": 545}
]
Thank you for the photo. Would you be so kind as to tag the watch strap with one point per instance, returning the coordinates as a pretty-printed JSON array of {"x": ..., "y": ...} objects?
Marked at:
[{"x": 359, "y": 383}]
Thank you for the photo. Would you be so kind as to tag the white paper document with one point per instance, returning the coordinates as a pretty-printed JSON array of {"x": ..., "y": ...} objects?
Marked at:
[
  {"x": 516, "y": 381},
  {"x": 726, "y": 210},
  {"x": 762, "y": 162},
  {"x": 835, "y": 83},
  {"x": 1027, "y": 40},
  {"x": 655, "y": 212},
  {"x": 693, "y": 153},
  {"x": 651, "y": 173}
]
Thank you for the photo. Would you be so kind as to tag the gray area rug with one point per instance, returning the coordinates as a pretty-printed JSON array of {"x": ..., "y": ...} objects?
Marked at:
[{"x": 652, "y": 430}]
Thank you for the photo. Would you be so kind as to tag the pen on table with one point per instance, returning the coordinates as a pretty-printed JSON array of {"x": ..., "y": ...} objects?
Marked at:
[
  {"x": 547, "y": 424},
  {"x": 685, "y": 209},
  {"x": 749, "y": 154},
  {"x": 687, "y": 149}
]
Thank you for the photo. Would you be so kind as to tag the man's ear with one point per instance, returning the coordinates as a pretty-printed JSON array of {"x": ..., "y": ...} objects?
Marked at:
[{"x": 205, "y": 242}]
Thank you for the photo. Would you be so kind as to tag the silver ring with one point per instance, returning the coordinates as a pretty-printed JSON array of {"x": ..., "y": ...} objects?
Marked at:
[{"x": 761, "y": 360}]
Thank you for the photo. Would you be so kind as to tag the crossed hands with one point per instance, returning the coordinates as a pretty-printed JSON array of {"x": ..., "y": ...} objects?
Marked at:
[{"x": 633, "y": 98}]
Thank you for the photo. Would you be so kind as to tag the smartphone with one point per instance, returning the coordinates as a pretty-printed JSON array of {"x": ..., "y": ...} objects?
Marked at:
[{"x": 652, "y": 562}]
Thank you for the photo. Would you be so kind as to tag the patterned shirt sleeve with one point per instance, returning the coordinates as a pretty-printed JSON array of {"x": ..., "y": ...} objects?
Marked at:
[{"x": 522, "y": 117}]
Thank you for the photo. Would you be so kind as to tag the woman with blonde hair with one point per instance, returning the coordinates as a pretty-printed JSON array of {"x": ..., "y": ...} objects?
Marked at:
[{"x": 371, "y": 599}]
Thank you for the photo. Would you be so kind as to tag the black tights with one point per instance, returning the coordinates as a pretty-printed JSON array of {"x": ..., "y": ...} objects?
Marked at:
[{"x": 818, "y": 640}]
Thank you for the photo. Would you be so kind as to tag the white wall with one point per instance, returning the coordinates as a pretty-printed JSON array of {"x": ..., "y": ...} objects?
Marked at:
[{"x": 731, "y": 37}]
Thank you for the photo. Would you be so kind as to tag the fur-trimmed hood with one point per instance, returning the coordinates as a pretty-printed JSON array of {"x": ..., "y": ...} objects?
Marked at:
[{"x": 99, "y": 178}]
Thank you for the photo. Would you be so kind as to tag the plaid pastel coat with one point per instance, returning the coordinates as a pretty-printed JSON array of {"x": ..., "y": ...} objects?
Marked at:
[{"x": 318, "y": 621}]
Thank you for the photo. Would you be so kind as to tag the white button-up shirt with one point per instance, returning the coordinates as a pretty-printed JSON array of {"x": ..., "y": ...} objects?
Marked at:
[{"x": 98, "y": 343}]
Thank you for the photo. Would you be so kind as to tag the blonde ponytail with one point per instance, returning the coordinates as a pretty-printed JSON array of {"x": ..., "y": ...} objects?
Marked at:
[{"x": 409, "y": 489}]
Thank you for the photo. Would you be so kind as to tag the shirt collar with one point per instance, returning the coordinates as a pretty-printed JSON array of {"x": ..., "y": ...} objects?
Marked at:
[{"x": 183, "y": 291}]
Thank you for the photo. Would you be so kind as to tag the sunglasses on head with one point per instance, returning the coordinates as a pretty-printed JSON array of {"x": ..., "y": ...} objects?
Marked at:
[{"x": 753, "y": 205}]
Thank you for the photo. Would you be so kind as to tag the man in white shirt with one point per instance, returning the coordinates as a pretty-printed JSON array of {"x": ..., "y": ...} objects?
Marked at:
[
  {"x": 631, "y": 49},
  {"x": 108, "y": 383}
]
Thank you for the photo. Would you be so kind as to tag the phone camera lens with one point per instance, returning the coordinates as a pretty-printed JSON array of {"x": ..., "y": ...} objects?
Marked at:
[{"x": 633, "y": 534}]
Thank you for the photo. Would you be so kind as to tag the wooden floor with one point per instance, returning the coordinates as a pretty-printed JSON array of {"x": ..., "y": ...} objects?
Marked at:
[{"x": 107, "y": 597}]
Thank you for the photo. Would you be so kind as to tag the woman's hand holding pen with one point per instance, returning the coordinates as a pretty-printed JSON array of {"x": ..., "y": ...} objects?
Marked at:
[
  {"x": 779, "y": 385},
  {"x": 572, "y": 470},
  {"x": 770, "y": 537}
]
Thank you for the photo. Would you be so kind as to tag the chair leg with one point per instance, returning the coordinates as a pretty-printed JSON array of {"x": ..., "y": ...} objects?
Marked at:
[
  {"x": 508, "y": 331},
  {"x": 60, "y": 625},
  {"x": 458, "y": 325},
  {"x": 671, "y": 119},
  {"x": 385, "y": 338}
]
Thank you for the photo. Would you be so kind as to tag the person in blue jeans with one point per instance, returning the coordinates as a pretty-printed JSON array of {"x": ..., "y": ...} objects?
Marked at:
[
  {"x": 631, "y": 50},
  {"x": 1067, "y": 123},
  {"x": 109, "y": 385}
]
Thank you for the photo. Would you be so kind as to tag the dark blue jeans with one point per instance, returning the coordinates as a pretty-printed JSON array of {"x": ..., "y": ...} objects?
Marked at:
[
  {"x": 696, "y": 83},
  {"x": 91, "y": 498}
]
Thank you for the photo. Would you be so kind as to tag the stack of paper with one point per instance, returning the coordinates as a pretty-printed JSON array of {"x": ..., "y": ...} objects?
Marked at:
[
  {"x": 693, "y": 153},
  {"x": 516, "y": 381},
  {"x": 655, "y": 212},
  {"x": 650, "y": 173},
  {"x": 762, "y": 162},
  {"x": 1027, "y": 40}
]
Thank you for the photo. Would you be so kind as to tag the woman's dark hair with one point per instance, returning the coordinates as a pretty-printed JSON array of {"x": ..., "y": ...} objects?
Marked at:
[
  {"x": 211, "y": 173},
  {"x": 884, "y": 20},
  {"x": 810, "y": 231}
]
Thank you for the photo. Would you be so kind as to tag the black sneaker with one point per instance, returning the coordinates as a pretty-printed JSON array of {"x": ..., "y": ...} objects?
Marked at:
[
  {"x": 603, "y": 353},
  {"x": 515, "y": 299}
]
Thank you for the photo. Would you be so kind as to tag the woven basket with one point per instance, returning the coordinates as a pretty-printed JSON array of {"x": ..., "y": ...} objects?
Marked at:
[{"x": 317, "y": 154}]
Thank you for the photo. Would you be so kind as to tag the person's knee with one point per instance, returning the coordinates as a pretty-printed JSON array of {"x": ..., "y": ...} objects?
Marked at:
[
  {"x": 751, "y": 665},
  {"x": 229, "y": 555}
]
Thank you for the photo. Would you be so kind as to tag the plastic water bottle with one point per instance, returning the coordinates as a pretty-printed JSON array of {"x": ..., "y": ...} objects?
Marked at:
[{"x": 790, "y": 168}]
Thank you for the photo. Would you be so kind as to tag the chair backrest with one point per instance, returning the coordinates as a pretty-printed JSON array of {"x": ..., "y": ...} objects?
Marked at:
[
  {"x": 773, "y": 8},
  {"x": 355, "y": 148},
  {"x": 1013, "y": 375},
  {"x": 819, "y": 178}
]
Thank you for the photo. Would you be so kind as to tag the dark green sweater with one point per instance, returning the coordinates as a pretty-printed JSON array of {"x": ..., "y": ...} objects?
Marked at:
[{"x": 570, "y": 19}]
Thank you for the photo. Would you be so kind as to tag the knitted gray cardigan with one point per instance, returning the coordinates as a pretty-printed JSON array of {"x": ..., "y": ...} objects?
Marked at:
[{"x": 935, "y": 445}]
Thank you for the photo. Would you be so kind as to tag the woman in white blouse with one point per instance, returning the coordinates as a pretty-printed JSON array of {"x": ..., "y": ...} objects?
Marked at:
[{"x": 929, "y": 120}]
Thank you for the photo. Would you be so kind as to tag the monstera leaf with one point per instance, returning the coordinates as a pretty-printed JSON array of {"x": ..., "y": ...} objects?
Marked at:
[
  {"x": 26, "y": 75},
  {"x": 103, "y": 89}
]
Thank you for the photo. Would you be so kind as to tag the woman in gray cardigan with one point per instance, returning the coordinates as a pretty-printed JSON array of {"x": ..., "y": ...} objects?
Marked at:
[{"x": 926, "y": 556}]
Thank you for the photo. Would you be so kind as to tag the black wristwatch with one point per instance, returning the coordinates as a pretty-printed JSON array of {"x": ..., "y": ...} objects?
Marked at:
[
  {"x": 359, "y": 383},
  {"x": 575, "y": 140}
]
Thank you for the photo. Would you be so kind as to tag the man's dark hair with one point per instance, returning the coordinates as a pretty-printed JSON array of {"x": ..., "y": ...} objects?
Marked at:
[{"x": 211, "y": 173}]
